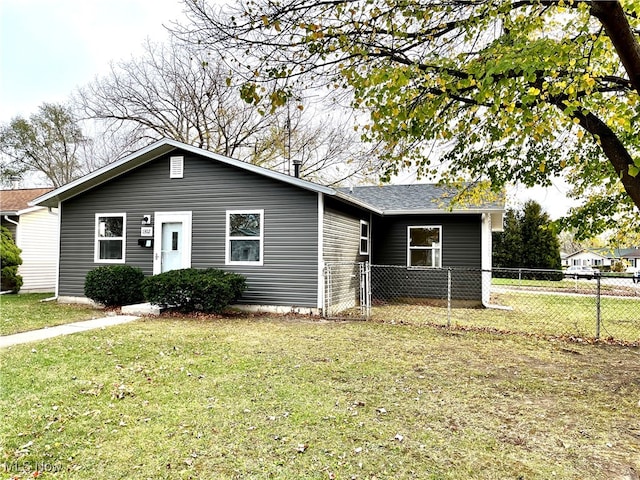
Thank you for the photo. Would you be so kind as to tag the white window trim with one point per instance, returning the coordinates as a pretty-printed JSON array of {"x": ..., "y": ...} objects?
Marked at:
[
  {"x": 228, "y": 238},
  {"x": 367, "y": 238},
  {"x": 96, "y": 245},
  {"x": 409, "y": 247}
]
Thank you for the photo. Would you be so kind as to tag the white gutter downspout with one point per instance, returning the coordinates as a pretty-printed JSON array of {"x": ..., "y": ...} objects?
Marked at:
[
  {"x": 6, "y": 217},
  {"x": 55, "y": 295},
  {"x": 320, "y": 300},
  {"x": 486, "y": 262}
]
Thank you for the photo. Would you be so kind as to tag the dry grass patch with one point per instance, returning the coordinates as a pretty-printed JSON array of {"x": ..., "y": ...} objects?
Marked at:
[{"x": 287, "y": 398}]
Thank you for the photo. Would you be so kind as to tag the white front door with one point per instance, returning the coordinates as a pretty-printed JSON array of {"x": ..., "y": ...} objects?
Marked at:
[
  {"x": 172, "y": 241},
  {"x": 172, "y": 245}
]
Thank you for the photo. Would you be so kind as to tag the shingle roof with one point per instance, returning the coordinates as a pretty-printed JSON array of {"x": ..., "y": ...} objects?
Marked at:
[
  {"x": 416, "y": 197},
  {"x": 12, "y": 201}
]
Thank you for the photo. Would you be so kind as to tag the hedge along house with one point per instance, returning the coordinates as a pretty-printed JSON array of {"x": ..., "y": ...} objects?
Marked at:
[{"x": 172, "y": 205}]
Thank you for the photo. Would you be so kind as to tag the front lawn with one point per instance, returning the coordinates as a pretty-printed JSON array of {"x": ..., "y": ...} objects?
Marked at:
[
  {"x": 301, "y": 399},
  {"x": 20, "y": 313}
]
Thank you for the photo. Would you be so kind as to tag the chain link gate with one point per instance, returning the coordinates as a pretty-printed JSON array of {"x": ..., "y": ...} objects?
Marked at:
[{"x": 347, "y": 290}]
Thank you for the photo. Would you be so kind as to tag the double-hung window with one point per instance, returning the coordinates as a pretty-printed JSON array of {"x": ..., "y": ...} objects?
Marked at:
[
  {"x": 364, "y": 237},
  {"x": 110, "y": 237},
  {"x": 424, "y": 246},
  {"x": 245, "y": 231}
]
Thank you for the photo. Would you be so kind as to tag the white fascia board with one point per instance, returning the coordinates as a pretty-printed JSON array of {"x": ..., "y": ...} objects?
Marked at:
[
  {"x": 431, "y": 211},
  {"x": 104, "y": 174},
  {"x": 256, "y": 169},
  {"x": 28, "y": 210}
]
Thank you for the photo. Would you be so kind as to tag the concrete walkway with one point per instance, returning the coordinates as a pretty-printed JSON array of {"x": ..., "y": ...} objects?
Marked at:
[{"x": 66, "y": 329}]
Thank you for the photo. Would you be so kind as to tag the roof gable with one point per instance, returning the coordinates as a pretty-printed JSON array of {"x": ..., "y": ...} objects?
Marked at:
[
  {"x": 152, "y": 152},
  {"x": 383, "y": 200}
]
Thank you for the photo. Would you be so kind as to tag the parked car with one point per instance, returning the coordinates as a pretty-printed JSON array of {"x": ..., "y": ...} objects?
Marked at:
[
  {"x": 635, "y": 273},
  {"x": 580, "y": 271}
]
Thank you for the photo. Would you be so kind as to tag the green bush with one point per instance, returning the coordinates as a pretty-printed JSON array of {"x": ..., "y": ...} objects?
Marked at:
[
  {"x": 114, "y": 285},
  {"x": 10, "y": 260},
  {"x": 194, "y": 290}
]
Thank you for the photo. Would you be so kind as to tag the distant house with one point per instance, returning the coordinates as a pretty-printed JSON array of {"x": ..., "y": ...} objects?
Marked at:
[
  {"x": 171, "y": 205},
  {"x": 35, "y": 231},
  {"x": 604, "y": 258},
  {"x": 591, "y": 258},
  {"x": 631, "y": 256}
]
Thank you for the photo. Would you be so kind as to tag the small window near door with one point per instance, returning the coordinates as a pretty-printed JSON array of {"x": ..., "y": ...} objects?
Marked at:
[
  {"x": 244, "y": 245},
  {"x": 364, "y": 237},
  {"x": 110, "y": 238}
]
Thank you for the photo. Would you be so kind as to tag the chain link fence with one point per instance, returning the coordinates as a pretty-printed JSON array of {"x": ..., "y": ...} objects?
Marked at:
[{"x": 539, "y": 302}]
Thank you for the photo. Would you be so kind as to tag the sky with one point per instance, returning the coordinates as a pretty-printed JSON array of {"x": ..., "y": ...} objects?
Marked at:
[{"x": 49, "y": 48}]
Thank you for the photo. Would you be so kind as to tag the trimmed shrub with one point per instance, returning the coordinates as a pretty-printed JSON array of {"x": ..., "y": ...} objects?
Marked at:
[
  {"x": 114, "y": 285},
  {"x": 194, "y": 290},
  {"x": 10, "y": 260}
]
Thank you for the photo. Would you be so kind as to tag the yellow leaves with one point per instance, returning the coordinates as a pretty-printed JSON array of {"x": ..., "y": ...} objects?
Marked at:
[
  {"x": 580, "y": 134},
  {"x": 542, "y": 167},
  {"x": 533, "y": 91},
  {"x": 588, "y": 80},
  {"x": 265, "y": 22}
]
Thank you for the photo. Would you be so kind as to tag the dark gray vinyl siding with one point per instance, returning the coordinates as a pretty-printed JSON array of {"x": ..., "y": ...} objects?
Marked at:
[
  {"x": 461, "y": 238},
  {"x": 289, "y": 275},
  {"x": 461, "y": 251}
]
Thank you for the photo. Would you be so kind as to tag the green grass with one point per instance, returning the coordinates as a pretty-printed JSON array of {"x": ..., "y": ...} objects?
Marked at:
[
  {"x": 531, "y": 313},
  {"x": 613, "y": 286},
  {"x": 294, "y": 399},
  {"x": 20, "y": 313}
]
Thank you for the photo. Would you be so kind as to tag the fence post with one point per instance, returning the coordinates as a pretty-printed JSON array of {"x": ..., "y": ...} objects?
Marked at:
[
  {"x": 597, "y": 306},
  {"x": 449, "y": 297}
]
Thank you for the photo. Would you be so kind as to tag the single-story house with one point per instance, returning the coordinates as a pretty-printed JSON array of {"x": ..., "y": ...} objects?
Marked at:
[
  {"x": 35, "y": 232},
  {"x": 631, "y": 256},
  {"x": 604, "y": 258},
  {"x": 172, "y": 205},
  {"x": 591, "y": 258}
]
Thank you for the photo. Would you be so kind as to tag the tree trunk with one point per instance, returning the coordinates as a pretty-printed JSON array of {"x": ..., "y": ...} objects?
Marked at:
[
  {"x": 615, "y": 151},
  {"x": 617, "y": 26}
]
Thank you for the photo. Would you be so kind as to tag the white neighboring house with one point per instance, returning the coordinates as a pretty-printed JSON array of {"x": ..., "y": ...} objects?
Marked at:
[
  {"x": 589, "y": 258},
  {"x": 35, "y": 231}
]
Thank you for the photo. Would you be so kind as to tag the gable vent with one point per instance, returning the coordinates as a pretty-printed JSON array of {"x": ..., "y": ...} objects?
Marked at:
[{"x": 176, "y": 167}]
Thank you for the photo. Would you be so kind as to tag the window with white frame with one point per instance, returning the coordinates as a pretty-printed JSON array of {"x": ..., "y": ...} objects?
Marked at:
[
  {"x": 244, "y": 245},
  {"x": 364, "y": 237},
  {"x": 424, "y": 246},
  {"x": 110, "y": 237}
]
